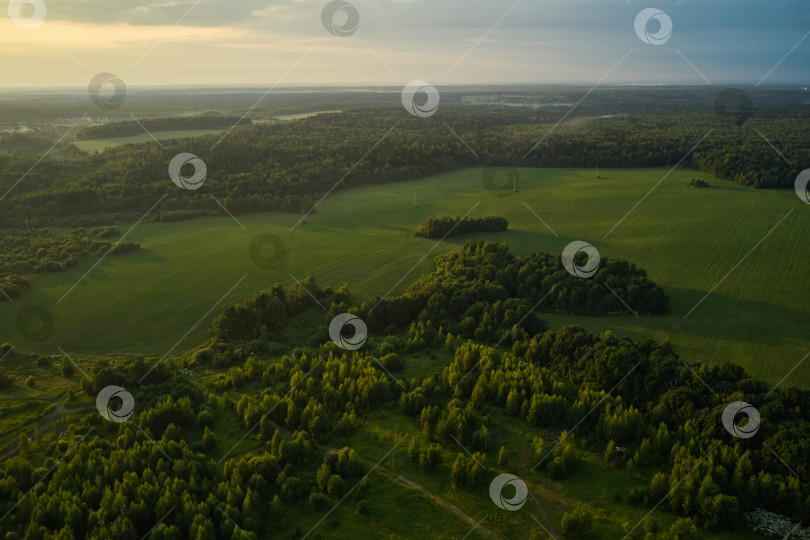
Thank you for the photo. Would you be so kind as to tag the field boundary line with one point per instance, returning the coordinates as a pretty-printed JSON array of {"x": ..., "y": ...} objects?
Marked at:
[{"x": 228, "y": 212}]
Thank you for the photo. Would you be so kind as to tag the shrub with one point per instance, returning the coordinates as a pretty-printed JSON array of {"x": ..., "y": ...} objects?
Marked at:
[
  {"x": 6, "y": 380},
  {"x": 318, "y": 501},
  {"x": 576, "y": 523}
]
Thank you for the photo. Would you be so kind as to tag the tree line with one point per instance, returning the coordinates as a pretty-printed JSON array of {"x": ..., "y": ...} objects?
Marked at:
[
  {"x": 288, "y": 166},
  {"x": 128, "y": 128},
  {"x": 41, "y": 250},
  {"x": 444, "y": 226}
]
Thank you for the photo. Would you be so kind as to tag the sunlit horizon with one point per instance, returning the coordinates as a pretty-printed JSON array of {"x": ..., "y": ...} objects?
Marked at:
[{"x": 175, "y": 43}]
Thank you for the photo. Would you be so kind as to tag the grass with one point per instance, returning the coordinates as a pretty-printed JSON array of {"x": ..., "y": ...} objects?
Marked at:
[
  {"x": 43, "y": 406},
  {"x": 98, "y": 145},
  {"x": 161, "y": 299},
  {"x": 299, "y": 116}
]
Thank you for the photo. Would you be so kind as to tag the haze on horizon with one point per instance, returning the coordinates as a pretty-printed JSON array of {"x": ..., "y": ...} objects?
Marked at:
[{"x": 499, "y": 42}]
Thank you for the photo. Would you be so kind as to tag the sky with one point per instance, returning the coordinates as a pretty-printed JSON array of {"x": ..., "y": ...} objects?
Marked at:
[{"x": 217, "y": 42}]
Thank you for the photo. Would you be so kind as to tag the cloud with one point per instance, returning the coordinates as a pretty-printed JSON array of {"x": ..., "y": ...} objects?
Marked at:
[
  {"x": 89, "y": 35},
  {"x": 539, "y": 40}
]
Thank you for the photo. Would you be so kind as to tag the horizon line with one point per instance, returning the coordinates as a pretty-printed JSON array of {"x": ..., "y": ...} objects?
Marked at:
[{"x": 370, "y": 85}]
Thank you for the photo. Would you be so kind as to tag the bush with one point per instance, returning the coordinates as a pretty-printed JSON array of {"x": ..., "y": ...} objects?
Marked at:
[
  {"x": 124, "y": 246},
  {"x": 682, "y": 529},
  {"x": 107, "y": 232},
  {"x": 67, "y": 368},
  {"x": 576, "y": 523},
  {"x": 430, "y": 458},
  {"x": 202, "y": 356},
  {"x": 318, "y": 501},
  {"x": 336, "y": 485},
  {"x": 556, "y": 468},
  {"x": 209, "y": 439},
  {"x": 392, "y": 362},
  {"x": 205, "y": 418},
  {"x": 659, "y": 487},
  {"x": 6, "y": 380}
]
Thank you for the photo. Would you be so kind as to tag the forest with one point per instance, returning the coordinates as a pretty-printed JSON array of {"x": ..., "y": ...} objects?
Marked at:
[
  {"x": 446, "y": 226},
  {"x": 281, "y": 166},
  {"x": 166, "y": 464}
]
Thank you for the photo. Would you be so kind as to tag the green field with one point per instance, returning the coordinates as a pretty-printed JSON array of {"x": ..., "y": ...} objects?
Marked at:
[
  {"x": 98, "y": 145},
  {"x": 687, "y": 239},
  {"x": 298, "y": 116}
]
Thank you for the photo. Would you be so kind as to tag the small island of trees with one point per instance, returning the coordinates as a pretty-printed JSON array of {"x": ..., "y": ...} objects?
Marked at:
[{"x": 440, "y": 227}]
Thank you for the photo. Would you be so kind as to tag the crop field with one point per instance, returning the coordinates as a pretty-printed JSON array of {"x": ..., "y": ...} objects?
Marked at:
[{"x": 742, "y": 246}]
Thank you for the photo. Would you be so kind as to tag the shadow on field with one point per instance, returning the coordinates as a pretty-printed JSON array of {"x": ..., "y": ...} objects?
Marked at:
[{"x": 720, "y": 315}]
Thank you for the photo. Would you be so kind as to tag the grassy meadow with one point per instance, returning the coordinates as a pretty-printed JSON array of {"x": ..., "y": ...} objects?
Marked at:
[
  {"x": 98, "y": 145},
  {"x": 299, "y": 116},
  {"x": 162, "y": 298}
]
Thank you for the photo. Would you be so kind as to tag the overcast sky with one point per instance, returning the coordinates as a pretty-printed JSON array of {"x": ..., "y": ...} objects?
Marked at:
[{"x": 396, "y": 41}]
